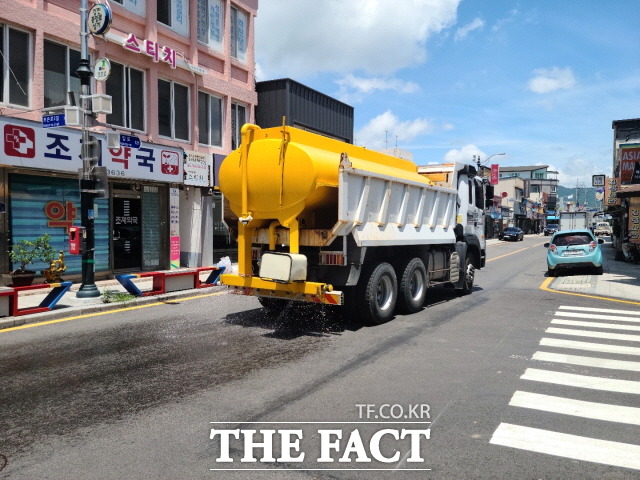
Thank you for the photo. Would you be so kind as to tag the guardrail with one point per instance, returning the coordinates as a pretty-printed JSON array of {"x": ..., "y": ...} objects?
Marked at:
[
  {"x": 9, "y": 297},
  {"x": 165, "y": 281}
]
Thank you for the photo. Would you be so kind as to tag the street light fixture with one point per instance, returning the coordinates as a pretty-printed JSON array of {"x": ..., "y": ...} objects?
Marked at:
[{"x": 487, "y": 159}]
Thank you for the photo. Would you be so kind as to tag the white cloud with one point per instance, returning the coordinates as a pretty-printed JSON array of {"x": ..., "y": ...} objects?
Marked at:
[
  {"x": 465, "y": 154},
  {"x": 504, "y": 21},
  {"x": 548, "y": 80},
  {"x": 384, "y": 130},
  {"x": 462, "y": 32},
  {"x": 370, "y": 85},
  {"x": 303, "y": 37},
  {"x": 353, "y": 89}
]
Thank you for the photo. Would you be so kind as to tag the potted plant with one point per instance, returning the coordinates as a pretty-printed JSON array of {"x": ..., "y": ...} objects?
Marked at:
[{"x": 26, "y": 252}]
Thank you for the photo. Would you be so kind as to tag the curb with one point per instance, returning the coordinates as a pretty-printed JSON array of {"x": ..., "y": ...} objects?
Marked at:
[{"x": 64, "y": 311}]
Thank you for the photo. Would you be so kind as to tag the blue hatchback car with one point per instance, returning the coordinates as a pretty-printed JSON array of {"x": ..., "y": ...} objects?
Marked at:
[{"x": 573, "y": 249}]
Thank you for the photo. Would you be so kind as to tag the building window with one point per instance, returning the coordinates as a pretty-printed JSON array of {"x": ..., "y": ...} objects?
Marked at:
[
  {"x": 238, "y": 119},
  {"x": 135, "y": 6},
  {"x": 535, "y": 188},
  {"x": 15, "y": 67},
  {"x": 539, "y": 175},
  {"x": 239, "y": 32},
  {"x": 554, "y": 188},
  {"x": 60, "y": 65},
  {"x": 173, "y": 110},
  {"x": 211, "y": 23},
  {"x": 174, "y": 14},
  {"x": 126, "y": 87},
  {"x": 209, "y": 119}
]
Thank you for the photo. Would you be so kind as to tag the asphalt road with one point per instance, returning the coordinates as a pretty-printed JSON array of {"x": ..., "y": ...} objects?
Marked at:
[{"x": 134, "y": 394}]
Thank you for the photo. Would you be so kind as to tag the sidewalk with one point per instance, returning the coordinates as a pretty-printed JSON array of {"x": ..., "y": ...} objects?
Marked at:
[
  {"x": 620, "y": 280},
  {"x": 70, "y": 305}
]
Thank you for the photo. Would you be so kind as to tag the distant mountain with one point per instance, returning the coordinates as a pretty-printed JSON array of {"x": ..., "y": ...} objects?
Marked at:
[{"x": 585, "y": 196}]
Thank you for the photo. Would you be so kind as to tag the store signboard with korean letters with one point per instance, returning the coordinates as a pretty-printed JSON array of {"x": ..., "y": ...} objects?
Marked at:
[{"x": 28, "y": 145}]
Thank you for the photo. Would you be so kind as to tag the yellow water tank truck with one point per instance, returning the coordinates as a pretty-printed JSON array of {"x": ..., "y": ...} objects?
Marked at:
[{"x": 319, "y": 220}]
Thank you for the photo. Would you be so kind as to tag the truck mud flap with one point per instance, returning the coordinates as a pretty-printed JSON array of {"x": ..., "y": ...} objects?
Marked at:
[{"x": 454, "y": 268}]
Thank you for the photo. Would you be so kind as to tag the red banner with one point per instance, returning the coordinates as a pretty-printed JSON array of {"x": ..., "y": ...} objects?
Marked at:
[{"x": 495, "y": 174}]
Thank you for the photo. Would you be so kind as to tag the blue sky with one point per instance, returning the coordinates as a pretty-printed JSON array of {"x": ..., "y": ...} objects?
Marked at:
[{"x": 540, "y": 80}]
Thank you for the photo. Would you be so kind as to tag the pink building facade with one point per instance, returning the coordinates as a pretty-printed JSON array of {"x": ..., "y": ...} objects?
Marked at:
[{"x": 181, "y": 83}]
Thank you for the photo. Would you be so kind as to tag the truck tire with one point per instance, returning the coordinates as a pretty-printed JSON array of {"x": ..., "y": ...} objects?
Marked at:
[
  {"x": 377, "y": 294},
  {"x": 469, "y": 273},
  {"x": 412, "y": 289}
]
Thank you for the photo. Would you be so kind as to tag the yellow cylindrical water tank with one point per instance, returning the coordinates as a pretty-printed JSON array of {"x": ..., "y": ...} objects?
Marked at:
[{"x": 289, "y": 170}]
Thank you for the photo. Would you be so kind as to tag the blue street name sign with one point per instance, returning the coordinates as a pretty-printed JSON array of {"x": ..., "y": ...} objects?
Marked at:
[
  {"x": 50, "y": 121},
  {"x": 129, "y": 141}
]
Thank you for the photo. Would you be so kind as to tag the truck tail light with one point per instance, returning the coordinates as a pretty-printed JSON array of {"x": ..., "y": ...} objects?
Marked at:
[{"x": 332, "y": 258}]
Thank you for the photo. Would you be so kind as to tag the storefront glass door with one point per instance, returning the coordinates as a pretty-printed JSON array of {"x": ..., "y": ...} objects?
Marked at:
[{"x": 127, "y": 232}]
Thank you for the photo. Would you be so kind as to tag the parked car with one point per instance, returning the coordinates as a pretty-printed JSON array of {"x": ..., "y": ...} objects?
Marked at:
[
  {"x": 573, "y": 249},
  {"x": 512, "y": 233},
  {"x": 602, "y": 228},
  {"x": 550, "y": 229}
]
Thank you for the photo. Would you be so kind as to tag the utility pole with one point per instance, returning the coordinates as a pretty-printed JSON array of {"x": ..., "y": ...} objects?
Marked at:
[{"x": 88, "y": 288}]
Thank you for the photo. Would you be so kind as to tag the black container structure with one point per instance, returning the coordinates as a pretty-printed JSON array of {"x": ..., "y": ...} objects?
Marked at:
[{"x": 303, "y": 108}]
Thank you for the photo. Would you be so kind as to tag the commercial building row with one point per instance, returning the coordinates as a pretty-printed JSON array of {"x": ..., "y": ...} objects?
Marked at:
[{"x": 181, "y": 84}]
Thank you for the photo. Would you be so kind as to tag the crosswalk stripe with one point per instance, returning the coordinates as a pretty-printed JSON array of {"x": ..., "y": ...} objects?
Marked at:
[
  {"x": 577, "y": 408},
  {"x": 581, "y": 381},
  {"x": 611, "y": 326},
  {"x": 601, "y": 310},
  {"x": 593, "y": 347},
  {"x": 587, "y": 361},
  {"x": 596, "y": 316},
  {"x": 568, "y": 446},
  {"x": 592, "y": 334}
]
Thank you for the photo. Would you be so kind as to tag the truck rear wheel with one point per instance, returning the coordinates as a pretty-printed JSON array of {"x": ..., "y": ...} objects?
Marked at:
[
  {"x": 377, "y": 294},
  {"x": 412, "y": 290}
]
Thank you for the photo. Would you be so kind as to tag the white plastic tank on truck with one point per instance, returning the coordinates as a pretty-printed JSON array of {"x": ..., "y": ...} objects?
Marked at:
[
  {"x": 323, "y": 221},
  {"x": 573, "y": 220}
]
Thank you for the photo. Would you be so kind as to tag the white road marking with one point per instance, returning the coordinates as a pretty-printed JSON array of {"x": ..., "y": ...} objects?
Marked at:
[
  {"x": 601, "y": 310},
  {"x": 582, "y": 381},
  {"x": 568, "y": 446},
  {"x": 578, "y": 408},
  {"x": 592, "y": 334},
  {"x": 597, "y": 316},
  {"x": 611, "y": 326},
  {"x": 593, "y": 347},
  {"x": 587, "y": 361}
]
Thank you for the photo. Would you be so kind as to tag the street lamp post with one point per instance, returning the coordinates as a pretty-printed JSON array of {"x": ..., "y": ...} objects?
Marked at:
[{"x": 88, "y": 288}]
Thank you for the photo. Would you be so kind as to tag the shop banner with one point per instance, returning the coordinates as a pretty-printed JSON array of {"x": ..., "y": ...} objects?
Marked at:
[
  {"x": 197, "y": 169},
  {"x": 610, "y": 189},
  {"x": 28, "y": 145},
  {"x": 174, "y": 227},
  {"x": 634, "y": 220},
  {"x": 629, "y": 164}
]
